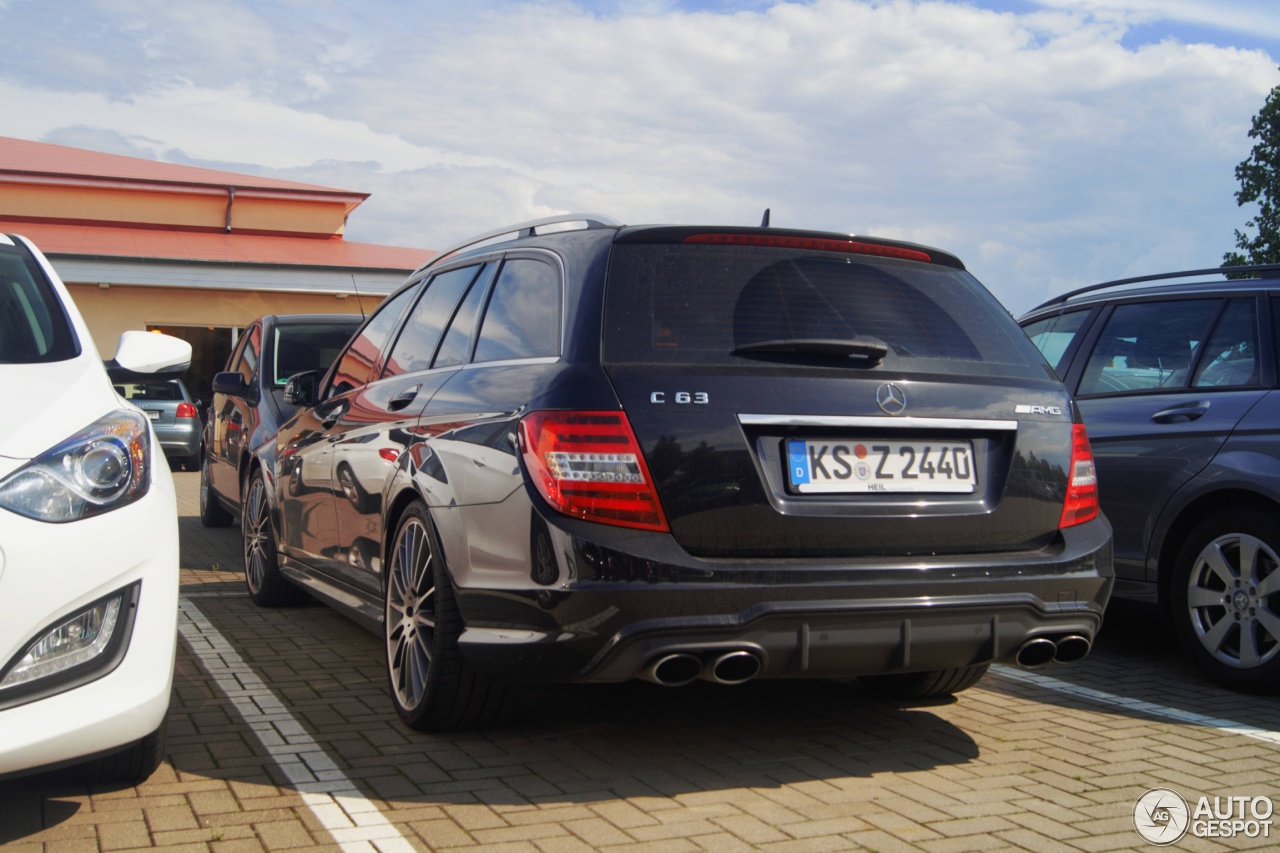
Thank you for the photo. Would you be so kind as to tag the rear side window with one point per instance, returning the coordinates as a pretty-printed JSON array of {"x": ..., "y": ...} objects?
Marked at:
[
  {"x": 1147, "y": 346},
  {"x": 33, "y": 327},
  {"x": 697, "y": 304},
  {"x": 1231, "y": 355},
  {"x": 523, "y": 317}
]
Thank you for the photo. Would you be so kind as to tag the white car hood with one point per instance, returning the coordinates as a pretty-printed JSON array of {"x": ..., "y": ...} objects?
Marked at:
[{"x": 46, "y": 403}]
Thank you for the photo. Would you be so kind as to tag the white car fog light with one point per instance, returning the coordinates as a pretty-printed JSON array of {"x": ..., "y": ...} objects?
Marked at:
[{"x": 81, "y": 638}]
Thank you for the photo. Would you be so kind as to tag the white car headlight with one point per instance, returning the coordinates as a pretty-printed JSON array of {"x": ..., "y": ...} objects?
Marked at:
[{"x": 103, "y": 467}]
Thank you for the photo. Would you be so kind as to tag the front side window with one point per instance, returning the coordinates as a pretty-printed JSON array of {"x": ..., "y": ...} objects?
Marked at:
[
  {"x": 33, "y": 326},
  {"x": 523, "y": 317},
  {"x": 303, "y": 347},
  {"x": 1148, "y": 346},
  {"x": 456, "y": 346},
  {"x": 355, "y": 367},
  {"x": 1053, "y": 335},
  {"x": 248, "y": 363}
]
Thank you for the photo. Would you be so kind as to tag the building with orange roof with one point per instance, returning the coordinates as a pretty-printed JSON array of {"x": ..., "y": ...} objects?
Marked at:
[{"x": 194, "y": 252}]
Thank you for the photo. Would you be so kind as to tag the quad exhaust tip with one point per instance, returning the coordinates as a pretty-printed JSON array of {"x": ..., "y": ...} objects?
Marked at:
[
  {"x": 675, "y": 669},
  {"x": 1039, "y": 651},
  {"x": 672, "y": 670},
  {"x": 735, "y": 667}
]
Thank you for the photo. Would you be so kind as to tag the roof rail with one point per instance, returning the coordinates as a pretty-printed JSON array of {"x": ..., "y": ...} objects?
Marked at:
[
  {"x": 1227, "y": 271},
  {"x": 523, "y": 229}
]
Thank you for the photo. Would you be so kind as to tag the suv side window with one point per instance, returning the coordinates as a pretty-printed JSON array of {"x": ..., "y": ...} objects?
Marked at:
[
  {"x": 1231, "y": 356},
  {"x": 247, "y": 363},
  {"x": 523, "y": 317},
  {"x": 456, "y": 346},
  {"x": 1053, "y": 336},
  {"x": 425, "y": 323},
  {"x": 355, "y": 365},
  {"x": 1147, "y": 346}
]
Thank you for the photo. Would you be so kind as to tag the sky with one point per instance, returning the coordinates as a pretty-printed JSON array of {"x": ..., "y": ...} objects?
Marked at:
[{"x": 1047, "y": 143}]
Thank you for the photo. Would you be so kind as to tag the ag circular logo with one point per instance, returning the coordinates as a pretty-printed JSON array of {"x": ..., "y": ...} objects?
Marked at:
[
  {"x": 891, "y": 399},
  {"x": 1161, "y": 816}
]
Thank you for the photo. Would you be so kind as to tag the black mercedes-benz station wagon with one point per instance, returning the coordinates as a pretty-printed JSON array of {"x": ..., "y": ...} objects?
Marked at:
[{"x": 575, "y": 451}]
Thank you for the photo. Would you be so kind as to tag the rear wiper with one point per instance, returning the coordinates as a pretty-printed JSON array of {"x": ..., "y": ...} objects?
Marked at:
[{"x": 872, "y": 350}]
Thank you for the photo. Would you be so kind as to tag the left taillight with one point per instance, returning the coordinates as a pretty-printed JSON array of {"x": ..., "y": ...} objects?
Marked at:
[
  {"x": 589, "y": 465},
  {"x": 1081, "y": 504},
  {"x": 186, "y": 410}
]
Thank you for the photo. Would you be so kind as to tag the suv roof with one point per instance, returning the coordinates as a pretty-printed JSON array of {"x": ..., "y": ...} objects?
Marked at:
[
  {"x": 1261, "y": 276},
  {"x": 674, "y": 233},
  {"x": 300, "y": 319}
]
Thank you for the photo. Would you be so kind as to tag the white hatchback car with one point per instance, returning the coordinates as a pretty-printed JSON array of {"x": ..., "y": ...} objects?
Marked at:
[{"x": 88, "y": 539}]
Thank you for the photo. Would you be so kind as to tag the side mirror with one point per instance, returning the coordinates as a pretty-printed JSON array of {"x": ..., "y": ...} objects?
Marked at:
[
  {"x": 147, "y": 355},
  {"x": 231, "y": 383},
  {"x": 302, "y": 389}
]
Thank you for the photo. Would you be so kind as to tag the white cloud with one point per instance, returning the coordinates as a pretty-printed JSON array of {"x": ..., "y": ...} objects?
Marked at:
[
  {"x": 1253, "y": 17},
  {"x": 1037, "y": 146}
]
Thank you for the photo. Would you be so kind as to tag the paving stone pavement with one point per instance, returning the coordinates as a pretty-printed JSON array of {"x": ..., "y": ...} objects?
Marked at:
[{"x": 284, "y": 738}]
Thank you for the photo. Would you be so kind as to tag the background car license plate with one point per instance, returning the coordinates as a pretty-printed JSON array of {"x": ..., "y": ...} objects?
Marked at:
[
  {"x": 153, "y": 414},
  {"x": 875, "y": 465}
]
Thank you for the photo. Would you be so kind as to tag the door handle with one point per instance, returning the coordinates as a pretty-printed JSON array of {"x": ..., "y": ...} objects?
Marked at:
[
  {"x": 404, "y": 398},
  {"x": 1181, "y": 414}
]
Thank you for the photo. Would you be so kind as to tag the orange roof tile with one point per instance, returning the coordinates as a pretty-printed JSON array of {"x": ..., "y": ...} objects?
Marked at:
[
  {"x": 157, "y": 244},
  {"x": 20, "y": 156}
]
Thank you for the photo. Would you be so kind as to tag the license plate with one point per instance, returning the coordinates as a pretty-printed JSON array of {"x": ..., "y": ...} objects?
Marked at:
[
  {"x": 875, "y": 465},
  {"x": 153, "y": 414}
]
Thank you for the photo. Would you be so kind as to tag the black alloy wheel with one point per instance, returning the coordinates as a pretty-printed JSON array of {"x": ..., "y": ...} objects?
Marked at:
[
  {"x": 267, "y": 587},
  {"x": 431, "y": 687}
]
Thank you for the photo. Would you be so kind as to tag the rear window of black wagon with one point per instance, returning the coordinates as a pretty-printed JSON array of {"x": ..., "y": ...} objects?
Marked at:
[{"x": 695, "y": 304}]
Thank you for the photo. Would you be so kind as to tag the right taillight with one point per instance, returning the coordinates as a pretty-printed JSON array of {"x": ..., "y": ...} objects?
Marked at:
[
  {"x": 1081, "y": 504},
  {"x": 589, "y": 465}
]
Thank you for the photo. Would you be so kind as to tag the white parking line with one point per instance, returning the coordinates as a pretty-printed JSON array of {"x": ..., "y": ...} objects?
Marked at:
[
  {"x": 353, "y": 821},
  {"x": 1129, "y": 704}
]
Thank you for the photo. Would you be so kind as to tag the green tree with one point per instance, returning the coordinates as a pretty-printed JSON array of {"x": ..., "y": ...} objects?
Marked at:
[{"x": 1259, "y": 178}]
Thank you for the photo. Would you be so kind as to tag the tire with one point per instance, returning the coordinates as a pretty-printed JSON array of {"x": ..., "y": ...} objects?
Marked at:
[
  {"x": 1224, "y": 598},
  {"x": 266, "y": 586},
  {"x": 924, "y": 685},
  {"x": 133, "y": 764},
  {"x": 431, "y": 687},
  {"x": 212, "y": 513}
]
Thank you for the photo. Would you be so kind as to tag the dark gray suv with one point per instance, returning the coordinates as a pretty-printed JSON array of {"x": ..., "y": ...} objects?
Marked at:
[
  {"x": 248, "y": 400},
  {"x": 576, "y": 451},
  {"x": 1176, "y": 376}
]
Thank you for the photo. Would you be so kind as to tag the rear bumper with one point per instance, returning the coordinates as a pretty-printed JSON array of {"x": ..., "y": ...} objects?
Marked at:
[
  {"x": 618, "y": 608},
  {"x": 180, "y": 441}
]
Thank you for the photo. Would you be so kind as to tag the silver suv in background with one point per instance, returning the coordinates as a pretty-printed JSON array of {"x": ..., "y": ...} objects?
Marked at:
[{"x": 1176, "y": 377}]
